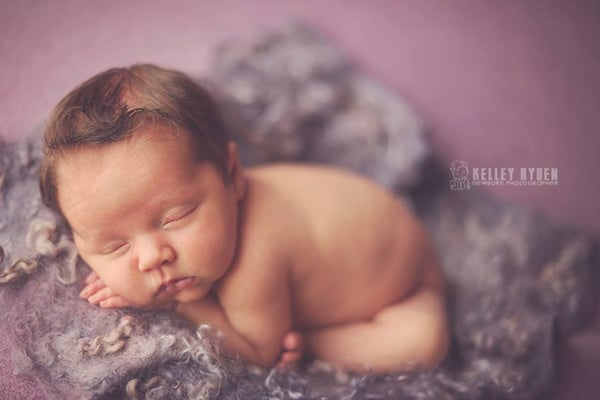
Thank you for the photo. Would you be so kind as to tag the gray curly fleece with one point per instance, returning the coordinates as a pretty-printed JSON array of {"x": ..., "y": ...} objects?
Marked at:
[{"x": 516, "y": 281}]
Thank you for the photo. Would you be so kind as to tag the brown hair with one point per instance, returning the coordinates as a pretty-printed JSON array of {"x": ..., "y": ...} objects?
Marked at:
[{"x": 116, "y": 103}]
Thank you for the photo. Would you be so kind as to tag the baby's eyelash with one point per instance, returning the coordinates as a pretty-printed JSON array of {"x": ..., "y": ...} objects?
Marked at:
[
  {"x": 179, "y": 215},
  {"x": 115, "y": 248}
]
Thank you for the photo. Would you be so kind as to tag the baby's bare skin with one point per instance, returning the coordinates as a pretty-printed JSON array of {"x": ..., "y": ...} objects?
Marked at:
[
  {"x": 325, "y": 261},
  {"x": 361, "y": 276}
]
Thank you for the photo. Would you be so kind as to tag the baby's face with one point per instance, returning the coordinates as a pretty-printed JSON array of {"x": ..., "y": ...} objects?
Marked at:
[{"x": 154, "y": 223}]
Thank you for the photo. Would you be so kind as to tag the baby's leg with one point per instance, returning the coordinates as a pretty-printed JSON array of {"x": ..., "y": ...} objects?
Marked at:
[{"x": 409, "y": 335}]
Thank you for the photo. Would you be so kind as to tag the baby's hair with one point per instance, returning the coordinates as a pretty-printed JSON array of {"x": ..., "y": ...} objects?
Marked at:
[{"x": 116, "y": 103}]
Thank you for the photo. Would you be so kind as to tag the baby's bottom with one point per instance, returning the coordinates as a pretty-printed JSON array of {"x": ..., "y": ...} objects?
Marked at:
[{"x": 411, "y": 334}]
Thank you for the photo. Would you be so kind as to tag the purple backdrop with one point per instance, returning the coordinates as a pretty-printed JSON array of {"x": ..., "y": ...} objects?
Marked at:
[{"x": 499, "y": 84}]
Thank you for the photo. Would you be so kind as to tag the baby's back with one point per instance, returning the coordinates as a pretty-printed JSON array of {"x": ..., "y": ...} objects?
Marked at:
[{"x": 353, "y": 242}]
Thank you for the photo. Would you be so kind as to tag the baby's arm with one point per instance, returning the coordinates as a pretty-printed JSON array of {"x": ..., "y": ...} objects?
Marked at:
[
  {"x": 265, "y": 353},
  {"x": 257, "y": 306},
  {"x": 208, "y": 310}
]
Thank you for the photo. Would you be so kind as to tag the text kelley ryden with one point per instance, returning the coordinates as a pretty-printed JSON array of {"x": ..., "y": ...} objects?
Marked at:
[{"x": 507, "y": 176}]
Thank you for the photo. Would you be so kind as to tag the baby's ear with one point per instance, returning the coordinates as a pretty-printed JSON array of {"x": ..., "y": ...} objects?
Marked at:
[{"x": 235, "y": 170}]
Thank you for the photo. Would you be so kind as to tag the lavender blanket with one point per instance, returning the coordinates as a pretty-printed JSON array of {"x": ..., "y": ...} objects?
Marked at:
[{"x": 516, "y": 280}]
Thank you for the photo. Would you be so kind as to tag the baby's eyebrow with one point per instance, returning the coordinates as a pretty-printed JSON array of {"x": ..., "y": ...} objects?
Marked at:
[
  {"x": 94, "y": 238},
  {"x": 81, "y": 237}
]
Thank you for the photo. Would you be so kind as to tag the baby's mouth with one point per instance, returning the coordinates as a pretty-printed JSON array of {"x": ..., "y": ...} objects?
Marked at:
[{"x": 173, "y": 286}]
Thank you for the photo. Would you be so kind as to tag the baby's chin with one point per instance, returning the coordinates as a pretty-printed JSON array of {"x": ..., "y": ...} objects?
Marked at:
[{"x": 192, "y": 294}]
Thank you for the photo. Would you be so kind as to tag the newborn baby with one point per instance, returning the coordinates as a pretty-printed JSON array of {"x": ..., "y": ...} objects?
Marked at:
[{"x": 284, "y": 260}]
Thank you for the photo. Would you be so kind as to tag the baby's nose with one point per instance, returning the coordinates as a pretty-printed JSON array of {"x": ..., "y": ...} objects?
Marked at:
[{"x": 154, "y": 252}]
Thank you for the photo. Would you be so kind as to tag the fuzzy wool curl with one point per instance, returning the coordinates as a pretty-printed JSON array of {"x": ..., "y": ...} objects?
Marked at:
[{"x": 516, "y": 281}]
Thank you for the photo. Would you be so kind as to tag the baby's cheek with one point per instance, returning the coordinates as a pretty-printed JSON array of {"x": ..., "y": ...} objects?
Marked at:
[
  {"x": 124, "y": 280},
  {"x": 208, "y": 251}
]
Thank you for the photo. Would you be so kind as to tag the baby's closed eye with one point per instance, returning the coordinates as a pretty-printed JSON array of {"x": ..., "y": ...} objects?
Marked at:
[
  {"x": 115, "y": 248},
  {"x": 179, "y": 215}
]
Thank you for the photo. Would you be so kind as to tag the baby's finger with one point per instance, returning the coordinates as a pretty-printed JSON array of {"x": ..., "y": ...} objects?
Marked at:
[
  {"x": 115, "y": 302},
  {"x": 92, "y": 288},
  {"x": 91, "y": 277},
  {"x": 101, "y": 295}
]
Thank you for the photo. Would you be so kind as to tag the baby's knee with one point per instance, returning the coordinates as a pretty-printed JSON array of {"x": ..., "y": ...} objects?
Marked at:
[
  {"x": 434, "y": 345},
  {"x": 419, "y": 343},
  {"x": 434, "y": 338},
  {"x": 428, "y": 338},
  {"x": 421, "y": 346}
]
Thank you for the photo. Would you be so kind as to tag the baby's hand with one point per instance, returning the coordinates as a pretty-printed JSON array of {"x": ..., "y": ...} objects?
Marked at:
[
  {"x": 96, "y": 292},
  {"x": 293, "y": 349}
]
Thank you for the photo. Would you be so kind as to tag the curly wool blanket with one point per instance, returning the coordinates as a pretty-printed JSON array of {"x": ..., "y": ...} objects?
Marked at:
[{"x": 516, "y": 280}]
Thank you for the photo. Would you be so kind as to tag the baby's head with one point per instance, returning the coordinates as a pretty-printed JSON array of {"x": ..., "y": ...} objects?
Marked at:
[
  {"x": 138, "y": 162},
  {"x": 121, "y": 102}
]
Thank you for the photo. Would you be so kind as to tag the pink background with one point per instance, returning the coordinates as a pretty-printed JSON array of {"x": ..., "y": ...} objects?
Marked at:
[{"x": 499, "y": 84}]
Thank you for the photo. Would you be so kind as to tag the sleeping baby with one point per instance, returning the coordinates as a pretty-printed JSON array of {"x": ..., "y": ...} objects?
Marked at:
[{"x": 286, "y": 261}]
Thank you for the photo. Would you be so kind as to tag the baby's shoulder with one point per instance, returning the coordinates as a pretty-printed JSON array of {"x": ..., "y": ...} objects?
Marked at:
[
  {"x": 267, "y": 223},
  {"x": 264, "y": 246},
  {"x": 312, "y": 180},
  {"x": 293, "y": 174},
  {"x": 317, "y": 190}
]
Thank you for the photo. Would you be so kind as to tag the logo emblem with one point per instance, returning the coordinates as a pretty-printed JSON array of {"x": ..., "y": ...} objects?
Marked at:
[{"x": 460, "y": 176}]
